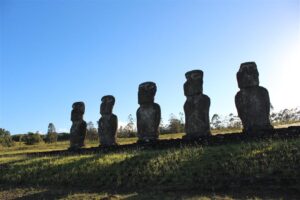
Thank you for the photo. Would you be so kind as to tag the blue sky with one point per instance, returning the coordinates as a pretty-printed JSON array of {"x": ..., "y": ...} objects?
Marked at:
[{"x": 56, "y": 52}]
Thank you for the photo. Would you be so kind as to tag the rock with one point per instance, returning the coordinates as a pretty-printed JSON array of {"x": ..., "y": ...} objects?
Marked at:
[
  {"x": 78, "y": 129},
  {"x": 108, "y": 123},
  {"x": 196, "y": 107},
  {"x": 252, "y": 101},
  {"x": 148, "y": 114}
]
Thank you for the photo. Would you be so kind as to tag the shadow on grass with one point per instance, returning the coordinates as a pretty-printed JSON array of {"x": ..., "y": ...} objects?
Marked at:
[
  {"x": 47, "y": 195},
  {"x": 79, "y": 194},
  {"x": 163, "y": 174},
  {"x": 213, "y": 140}
]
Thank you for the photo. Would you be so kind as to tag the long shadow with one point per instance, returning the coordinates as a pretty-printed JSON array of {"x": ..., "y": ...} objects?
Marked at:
[
  {"x": 7, "y": 164},
  {"x": 117, "y": 178},
  {"x": 104, "y": 179},
  {"x": 45, "y": 195},
  {"x": 108, "y": 180},
  {"x": 220, "y": 139},
  {"x": 114, "y": 178}
]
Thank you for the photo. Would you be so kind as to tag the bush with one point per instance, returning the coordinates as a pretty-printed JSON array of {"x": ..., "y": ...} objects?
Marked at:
[
  {"x": 51, "y": 137},
  {"x": 5, "y": 138},
  {"x": 17, "y": 138},
  {"x": 126, "y": 134},
  {"x": 92, "y": 135},
  {"x": 31, "y": 138},
  {"x": 63, "y": 136}
]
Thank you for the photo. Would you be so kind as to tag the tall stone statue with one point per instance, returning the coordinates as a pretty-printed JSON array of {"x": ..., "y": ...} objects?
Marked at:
[
  {"x": 196, "y": 107},
  {"x": 108, "y": 123},
  {"x": 78, "y": 129},
  {"x": 148, "y": 114},
  {"x": 252, "y": 101}
]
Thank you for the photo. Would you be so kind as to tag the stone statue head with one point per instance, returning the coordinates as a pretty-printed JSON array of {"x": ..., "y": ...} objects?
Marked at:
[
  {"x": 147, "y": 91},
  {"x": 107, "y": 104},
  {"x": 247, "y": 76},
  {"x": 194, "y": 83},
  {"x": 78, "y": 111}
]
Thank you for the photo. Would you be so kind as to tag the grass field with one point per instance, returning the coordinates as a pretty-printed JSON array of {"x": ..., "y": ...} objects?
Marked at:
[{"x": 249, "y": 170}]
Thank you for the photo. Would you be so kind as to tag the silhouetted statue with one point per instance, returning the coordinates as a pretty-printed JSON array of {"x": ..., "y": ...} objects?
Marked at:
[
  {"x": 78, "y": 129},
  {"x": 252, "y": 101},
  {"x": 196, "y": 107},
  {"x": 148, "y": 114},
  {"x": 108, "y": 123}
]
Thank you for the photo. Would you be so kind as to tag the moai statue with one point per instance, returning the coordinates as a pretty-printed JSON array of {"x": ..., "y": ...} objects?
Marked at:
[
  {"x": 148, "y": 114},
  {"x": 252, "y": 101},
  {"x": 78, "y": 129},
  {"x": 196, "y": 107},
  {"x": 108, "y": 122}
]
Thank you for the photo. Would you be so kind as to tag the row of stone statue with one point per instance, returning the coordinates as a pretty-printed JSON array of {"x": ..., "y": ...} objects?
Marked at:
[{"x": 252, "y": 103}]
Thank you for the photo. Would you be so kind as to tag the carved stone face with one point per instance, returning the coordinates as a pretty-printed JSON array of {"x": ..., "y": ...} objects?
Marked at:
[
  {"x": 78, "y": 111},
  {"x": 247, "y": 76},
  {"x": 194, "y": 83},
  {"x": 146, "y": 93},
  {"x": 107, "y": 105}
]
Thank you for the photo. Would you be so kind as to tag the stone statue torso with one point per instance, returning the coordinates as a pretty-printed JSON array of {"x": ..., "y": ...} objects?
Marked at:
[
  {"x": 253, "y": 108},
  {"x": 108, "y": 125},
  {"x": 197, "y": 114},
  {"x": 148, "y": 120}
]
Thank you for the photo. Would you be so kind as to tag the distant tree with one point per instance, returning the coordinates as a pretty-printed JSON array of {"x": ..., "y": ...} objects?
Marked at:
[
  {"x": 4, "y": 132},
  {"x": 31, "y": 138},
  {"x": 175, "y": 125},
  {"x": 163, "y": 128},
  {"x": 216, "y": 121},
  {"x": 92, "y": 133},
  {"x": 51, "y": 136},
  {"x": 17, "y": 137},
  {"x": 286, "y": 115},
  {"x": 5, "y": 138},
  {"x": 234, "y": 121},
  {"x": 63, "y": 136},
  {"x": 51, "y": 128},
  {"x": 130, "y": 125},
  {"x": 128, "y": 130}
]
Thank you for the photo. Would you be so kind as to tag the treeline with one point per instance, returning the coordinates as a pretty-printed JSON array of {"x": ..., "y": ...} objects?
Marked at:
[
  {"x": 285, "y": 116},
  {"x": 5, "y": 138},
  {"x": 34, "y": 138},
  {"x": 175, "y": 124}
]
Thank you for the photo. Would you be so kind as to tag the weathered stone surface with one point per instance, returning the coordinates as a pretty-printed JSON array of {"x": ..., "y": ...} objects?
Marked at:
[
  {"x": 196, "y": 107},
  {"x": 108, "y": 123},
  {"x": 78, "y": 129},
  {"x": 252, "y": 101},
  {"x": 148, "y": 114}
]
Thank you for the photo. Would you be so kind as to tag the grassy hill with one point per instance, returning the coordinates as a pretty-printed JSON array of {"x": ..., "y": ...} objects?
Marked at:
[{"x": 234, "y": 170}]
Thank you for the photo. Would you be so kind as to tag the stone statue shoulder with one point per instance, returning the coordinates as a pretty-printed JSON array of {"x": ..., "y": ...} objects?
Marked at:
[
  {"x": 114, "y": 117},
  {"x": 156, "y": 106},
  {"x": 202, "y": 98},
  {"x": 238, "y": 95},
  {"x": 206, "y": 97},
  {"x": 263, "y": 89}
]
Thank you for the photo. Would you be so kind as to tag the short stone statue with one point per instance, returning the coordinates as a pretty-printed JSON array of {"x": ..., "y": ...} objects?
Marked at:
[
  {"x": 252, "y": 101},
  {"x": 108, "y": 123},
  {"x": 196, "y": 107},
  {"x": 78, "y": 129},
  {"x": 148, "y": 114}
]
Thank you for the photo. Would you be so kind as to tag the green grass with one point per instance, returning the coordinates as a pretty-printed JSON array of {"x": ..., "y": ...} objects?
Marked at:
[
  {"x": 268, "y": 164},
  {"x": 21, "y": 148}
]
